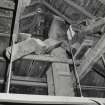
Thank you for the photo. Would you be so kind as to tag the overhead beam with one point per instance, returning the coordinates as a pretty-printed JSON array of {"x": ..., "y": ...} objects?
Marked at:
[
  {"x": 4, "y": 35},
  {"x": 49, "y": 58},
  {"x": 81, "y": 9},
  {"x": 93, "y": 27},
  {"x": 39, "y": 99},
  {"x": 6, "y": 16},
  {"x": 97, "y": 88},
  {"x": 99, "y": 71},
  {"x": 57, "y": 12},
  {"x": 25, "y": 83},
  {"x": 51, "y": 8},
  {"x": 32, "y": 13},
  {"x": 28, "y": 15},
  {"x": 29, "y": 79},
  {"x": 93, "y": 55}
]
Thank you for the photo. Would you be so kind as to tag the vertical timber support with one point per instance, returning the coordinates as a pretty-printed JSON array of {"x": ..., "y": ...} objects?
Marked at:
[
  {"x": 14, "y": 34},
  {"x": 50, "y": 81},
  {"x": 63, "y": 83}
]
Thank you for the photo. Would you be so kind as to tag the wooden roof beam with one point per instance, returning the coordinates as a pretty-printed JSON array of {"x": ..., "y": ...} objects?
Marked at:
[
  {"x": 93, "y": 27},
  {"x": 57, "y": 12},
  {"x": 52, "y": 9},
  {"x": 49, "y": 58},
  {"x": 32, "y": 13},
  {"x": 93, "y": 55},
  {"x": 81, "y": 9}
]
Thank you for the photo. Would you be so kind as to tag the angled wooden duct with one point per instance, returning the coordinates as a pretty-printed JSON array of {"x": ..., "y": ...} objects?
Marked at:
[{"x": 61, "y": 72}]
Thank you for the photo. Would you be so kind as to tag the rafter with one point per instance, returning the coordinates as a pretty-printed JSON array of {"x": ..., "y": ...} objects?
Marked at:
[
  {"x": 50, "y": 8},
  {"x": 57, "y": 12},
  {"x": 81, "y": 9},
  {"x": 93, "y": 55}
]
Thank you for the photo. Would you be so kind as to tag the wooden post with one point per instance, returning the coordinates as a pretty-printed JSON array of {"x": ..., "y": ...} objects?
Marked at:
[
  {"x": 61, "y": 73},
  {"x": 50, "y": 81}
]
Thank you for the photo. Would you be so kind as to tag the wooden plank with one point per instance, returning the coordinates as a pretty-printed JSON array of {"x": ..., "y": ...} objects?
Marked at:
[
  {"x": 25, "y": 83},
  {"x": 50, "y": 81},
  {"x": 24, "y": 48},
  {"x": 6, "y": 16},
  {"x": 103, "y": 59},
  {"x": 31, "y": 45},
  {"x": 84, "y": 45},
  {"x": 57, "y": 12},
  {"x": 99, "y": 68},
  {"x": 32, "y": 13},
  {"x": 97, "y": 88},
  {"x": 81, "y": 9},
  {"x": 39, "y": 99},
  {"x": 62, "y": 77},
  {"x": 7, "y": 4},
  {"x": 52, "y": 9},
  {"x": 93, "y": 27},
  {"x": 29, "y": 79},
  {"x": 93, "y": 55},
  {"x": 28, "y": 15},
  {"x": 49, "y": 58},
  {"x": 4, "y": 35}
]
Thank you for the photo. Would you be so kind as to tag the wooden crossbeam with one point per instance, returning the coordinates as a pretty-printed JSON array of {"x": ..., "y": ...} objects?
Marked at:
[
  {"x": 48, "y": 58},
  {"x": 39, "y": 99},
  {"x": 51, "y": 8},
  {"x": 103, "y": 58},
  {"x": 28, "y": 15},
  {"x": 25, "y": 83},
  {"x": 93, "y": 55},
  {"x": 6, "y": 16},
  {"x": 93, "y": 27},
  {"x": 57, "y": 12},
  {"x": 97, "y": 88},
  {"x": 99, "y": 71},
  {"x": 29, "y": 79},
  {"x": 4, "y": 35}
]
